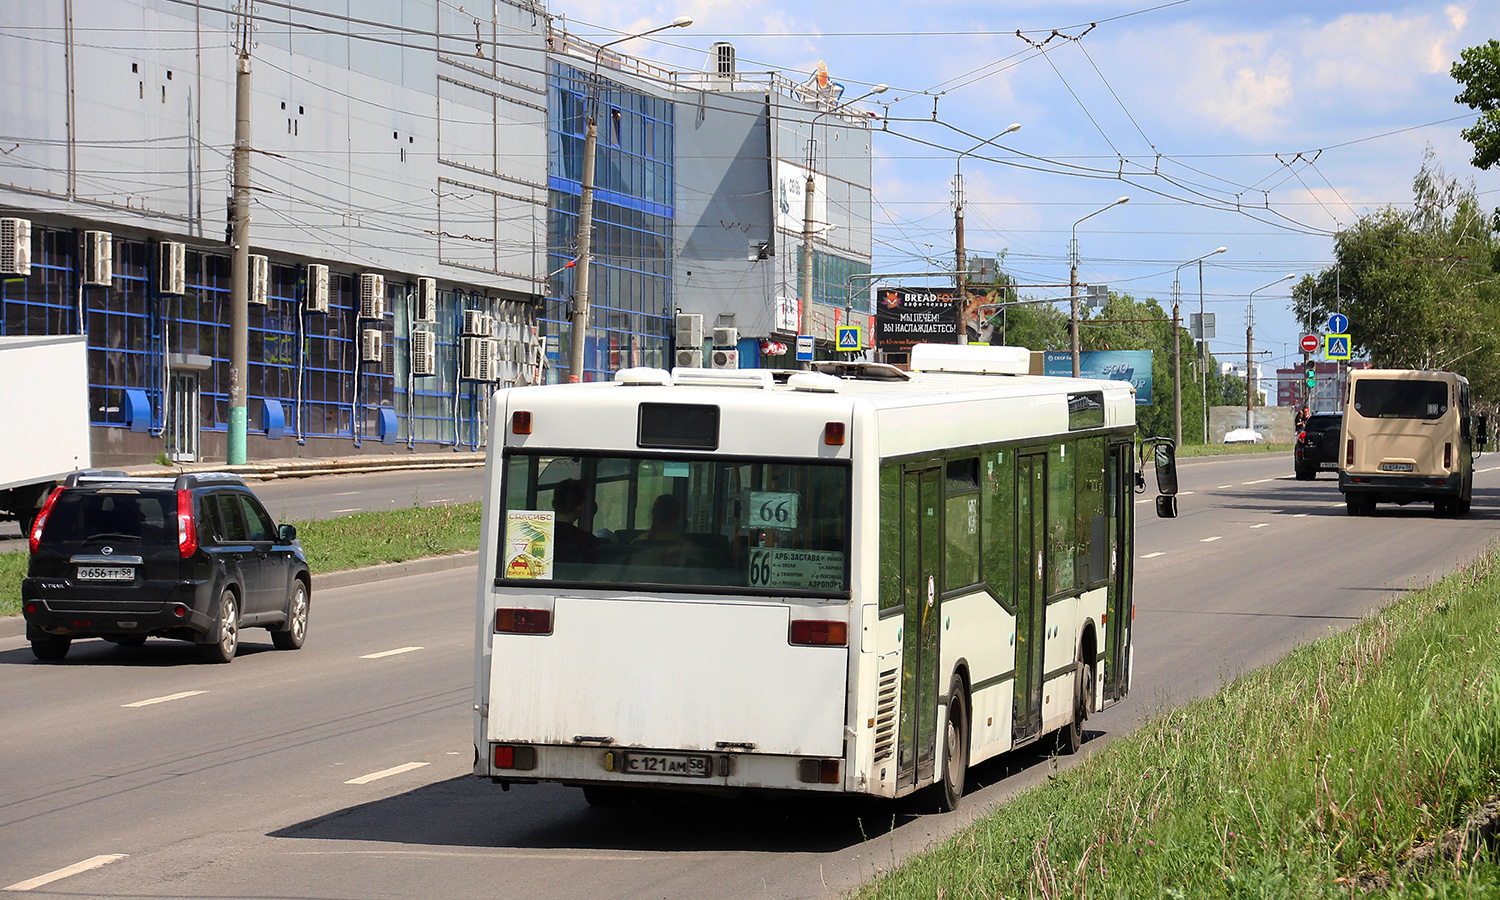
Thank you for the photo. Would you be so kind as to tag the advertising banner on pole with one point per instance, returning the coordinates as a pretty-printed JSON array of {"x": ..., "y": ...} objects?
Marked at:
[{"x": 1133, "y": 366}]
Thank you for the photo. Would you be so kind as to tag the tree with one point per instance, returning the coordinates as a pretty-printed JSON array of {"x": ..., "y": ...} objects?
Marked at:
[
  {"x": 1419, "y": 286},
  {"x": 1478, "y": 70}
]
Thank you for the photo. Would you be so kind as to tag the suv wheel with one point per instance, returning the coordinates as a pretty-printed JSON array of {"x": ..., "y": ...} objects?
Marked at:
[
  {"x": 226, "y": 631},
  {"x": 1306, "y": 474},
  {"x": 51, "y": 648},
  {"x": 294, "y": 634}
]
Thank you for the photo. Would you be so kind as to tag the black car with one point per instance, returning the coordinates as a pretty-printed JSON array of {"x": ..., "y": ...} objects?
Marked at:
[
  {"x": 1317, "y": 448},
  {"x": 195, "y": 558}
]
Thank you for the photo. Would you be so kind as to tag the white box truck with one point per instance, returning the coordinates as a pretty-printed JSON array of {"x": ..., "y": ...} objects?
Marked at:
[{"x": 44, "y": 418}]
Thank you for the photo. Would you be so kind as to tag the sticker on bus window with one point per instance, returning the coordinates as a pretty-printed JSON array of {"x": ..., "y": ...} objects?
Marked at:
[
  {"x": 772, "y": 509},
  {"x": 677, "y": 470},
  {"x": 529, "y": 539},
  {"x": 809, "y": 570}
]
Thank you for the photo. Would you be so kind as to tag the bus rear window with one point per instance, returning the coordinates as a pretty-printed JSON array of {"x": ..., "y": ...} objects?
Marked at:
[
  {"x": 753, "y": 527},
  {"x": 1400, "y": 399}
]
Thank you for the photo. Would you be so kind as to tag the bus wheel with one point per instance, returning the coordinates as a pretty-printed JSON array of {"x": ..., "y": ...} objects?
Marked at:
[
  {"x": 1070, "y": 736},
  {"x": 955, "y": 749}
]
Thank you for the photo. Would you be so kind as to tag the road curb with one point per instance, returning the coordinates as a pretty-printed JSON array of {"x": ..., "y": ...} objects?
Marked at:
[{"x": 10, "y": 626}]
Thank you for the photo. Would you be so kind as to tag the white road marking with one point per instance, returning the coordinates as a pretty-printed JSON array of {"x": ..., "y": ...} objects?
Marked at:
[
  {"x": 1210, "y": 540},
  {"x": 351, "y": 509},
  {"x": 1154, "y": 555},
  {"x": 1304, "y": 515},
  {"x": 1185, "y": 493},
  {"x": 1490, "y": 469},
  {"x": 384, "y": 653},
  {"x": 1262, "y": 481},
  {"x": 1139, "y": 502},
  {"x": 443, "y": 500},
  {"x": 345, "y": 493},
  {"x": 1261, "y": 525},
  {"x": 74, "y": 869},
  {"x": 165, "y": 699},
  {"x": 386, "y": 773},
  {"x": 1223, "y": 486}
]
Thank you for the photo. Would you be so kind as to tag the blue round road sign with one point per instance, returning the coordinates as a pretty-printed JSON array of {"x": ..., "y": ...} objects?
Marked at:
[{"x": 1338, "y": 323}]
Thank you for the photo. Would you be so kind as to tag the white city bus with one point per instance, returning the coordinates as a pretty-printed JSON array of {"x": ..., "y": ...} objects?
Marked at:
[
  {"x": 855, "y": 580},
  {"x": 1408, "y": 435}
]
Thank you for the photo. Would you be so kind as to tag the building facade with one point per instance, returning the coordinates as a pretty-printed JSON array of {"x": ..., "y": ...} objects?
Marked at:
[{"x": 414, "y": 190}]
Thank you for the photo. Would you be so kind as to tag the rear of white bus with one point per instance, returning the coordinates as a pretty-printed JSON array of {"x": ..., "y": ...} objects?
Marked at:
[{"x": 698, "y": 642}]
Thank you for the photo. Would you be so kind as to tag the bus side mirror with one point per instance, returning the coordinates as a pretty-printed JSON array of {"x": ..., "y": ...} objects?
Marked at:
[
  {"x": 1482, "y": 432},
  {"x": 1166, "y": 506},
  {"x": 1165, "y": 456}
]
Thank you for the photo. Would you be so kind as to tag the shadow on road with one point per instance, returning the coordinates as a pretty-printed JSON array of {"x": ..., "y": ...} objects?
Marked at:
[
  {"x": 158, "y": 653},
  {"x": 1321, "y": 498},
  {"x": 470, "y": 812}
]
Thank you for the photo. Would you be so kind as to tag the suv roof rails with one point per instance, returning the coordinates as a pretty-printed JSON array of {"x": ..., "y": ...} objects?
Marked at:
[
  {"x": 201, "y": 479},
  {"x": 75, "y": 478}
]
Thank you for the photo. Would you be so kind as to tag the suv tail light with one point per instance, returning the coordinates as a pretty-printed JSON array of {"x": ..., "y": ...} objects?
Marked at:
[
  {"x": 187, "y": 529},
  {"x": 35, "y": 539}
]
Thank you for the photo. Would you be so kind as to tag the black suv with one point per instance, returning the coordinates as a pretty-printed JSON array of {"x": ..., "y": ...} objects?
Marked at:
[
  {"x": 194, "y": 558},
  {"x": 1317, "y": 448}
]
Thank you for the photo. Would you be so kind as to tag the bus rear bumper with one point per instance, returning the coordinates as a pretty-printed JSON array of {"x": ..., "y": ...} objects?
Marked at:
[
  {"x": 1387, "y": 488},
  {"x": 680, "y": 770}
]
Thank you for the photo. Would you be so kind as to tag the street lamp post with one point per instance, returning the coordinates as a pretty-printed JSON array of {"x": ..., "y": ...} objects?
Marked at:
[
  {"x": 805, "y": 275},
  {"x": 579, "y": 321},
  {"x": 961, "y": 273},
  {"x": 1177, "y": 345},
  {"x": 1250, "y": 345},
  {"x": 1073, "y": 281}
]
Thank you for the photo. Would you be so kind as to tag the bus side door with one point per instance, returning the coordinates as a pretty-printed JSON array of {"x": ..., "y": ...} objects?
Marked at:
[
  {"x": 1121, "y": 560},
  {"x": 1031, "y": 592},
  {"x": 921, "y": 585}
]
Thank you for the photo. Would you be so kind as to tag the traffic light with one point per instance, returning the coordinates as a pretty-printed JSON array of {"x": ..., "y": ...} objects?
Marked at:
[{"x": 1311, "y": 374}]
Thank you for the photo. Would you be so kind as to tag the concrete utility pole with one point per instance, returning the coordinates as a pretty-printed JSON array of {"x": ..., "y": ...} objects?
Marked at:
[
  {"x": 1073, "y": 281},
  {"x": 239, "y": 266},
  {"x": 578, "y": 324},
  {"x": 1250, "y": 347},
  {"x": 1177, "y": 341},
  {"x": 961, "y": 276},
  {"x": 805, "y": 271}
]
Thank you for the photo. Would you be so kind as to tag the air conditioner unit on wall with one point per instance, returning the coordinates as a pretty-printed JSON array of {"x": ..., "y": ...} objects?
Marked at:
[
  {"x": 426, "y": 300},
  {"x": 371, "y": 295},
  {"x": 317, "y": 288},
  {"x": 15, "y": 246},
  {"x": 260, "y": 278},
  {"x": 689, "y": 330},
  {"x": 423, "y": 359},
  {"x": 477, "y": 359},
  {"x": 98, "y": 258},
  {"x": 371, "y": 345},
  {"x": 726, "y": 337},
  {"x": 688, "y": 359},
  {"x": 171, "y": 268},
  {"x": 722, "y": 358},
  {"x": 478, "y": 323}
]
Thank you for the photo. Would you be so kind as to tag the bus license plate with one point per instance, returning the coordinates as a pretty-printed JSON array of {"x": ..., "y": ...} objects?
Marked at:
[
  {"x": 668, "y": 764},
  {"x": 1397, "y": 467},
  {"x": 106, "y": 573}
]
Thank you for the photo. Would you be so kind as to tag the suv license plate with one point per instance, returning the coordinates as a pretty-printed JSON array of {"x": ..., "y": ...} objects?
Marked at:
[
  {"x": 1397, "y": 467},
  {"x": 668, "y": 764},
  {"x": 106, "y": 573}
]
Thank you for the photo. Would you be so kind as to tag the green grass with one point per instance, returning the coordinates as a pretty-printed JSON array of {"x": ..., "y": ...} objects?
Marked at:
[
  {"x": 1317, "y": 776},
  {"x": 1230, "y": 449},
  {"x": 332, "y": 545}
]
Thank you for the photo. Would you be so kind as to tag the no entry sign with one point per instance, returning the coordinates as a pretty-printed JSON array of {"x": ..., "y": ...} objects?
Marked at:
[{"x": 1309, "y": 343}]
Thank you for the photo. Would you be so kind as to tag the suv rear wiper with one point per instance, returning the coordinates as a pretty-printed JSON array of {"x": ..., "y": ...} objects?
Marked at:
[{"x": 113, "y": 536}]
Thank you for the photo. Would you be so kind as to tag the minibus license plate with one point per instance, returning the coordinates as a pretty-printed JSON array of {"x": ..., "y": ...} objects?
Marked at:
[
  {"x": 106, "y": 573},
  {"x": 1397, "y": 467},
  {"x": 668, "y": 764}
]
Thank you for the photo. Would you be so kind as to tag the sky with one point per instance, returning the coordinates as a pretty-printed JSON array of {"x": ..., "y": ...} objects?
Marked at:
[{"x": 1262, "y": 127}]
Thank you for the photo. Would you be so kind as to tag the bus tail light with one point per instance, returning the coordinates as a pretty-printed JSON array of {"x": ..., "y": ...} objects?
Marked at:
[
  {"x": 523, "y": 621},
  {"x": 521, "y": 758},
  {"x": 1349, "y": 454},
  {"x": 520, "y": 422},
  {"x": 819, "y": 633},
  {"x": 833, "y": 434},
  {"x": 818, "y": 771},
  {"x": 1448, "y": 456},
  {"x": 34, "y": 540}
]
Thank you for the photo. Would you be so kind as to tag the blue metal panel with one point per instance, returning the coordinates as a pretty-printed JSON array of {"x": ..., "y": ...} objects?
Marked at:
[
  {"x": 387, "y": 426},
  {"x": 137, "y": 410},
  {"x": 273, "y": 419}
]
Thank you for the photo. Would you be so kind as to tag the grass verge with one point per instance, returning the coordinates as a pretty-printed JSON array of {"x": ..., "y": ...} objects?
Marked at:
[
  {"x": 1349, "y": 768},
  {"x": 1188, "y": 450},
  {"x": 333, "y": 545}
]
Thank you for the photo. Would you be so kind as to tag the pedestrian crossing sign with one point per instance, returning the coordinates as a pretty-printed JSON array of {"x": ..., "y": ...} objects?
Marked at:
[
  {"x": 1336, "y": 346},
  {"x": 849, "y": 339}
]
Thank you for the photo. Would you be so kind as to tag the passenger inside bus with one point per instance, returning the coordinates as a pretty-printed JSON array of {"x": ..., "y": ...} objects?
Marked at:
[{"x": 573, "y": 543}]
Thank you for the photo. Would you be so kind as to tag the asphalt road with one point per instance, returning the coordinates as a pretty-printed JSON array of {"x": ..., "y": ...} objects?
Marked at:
[{"x": 342, "y": 770}]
